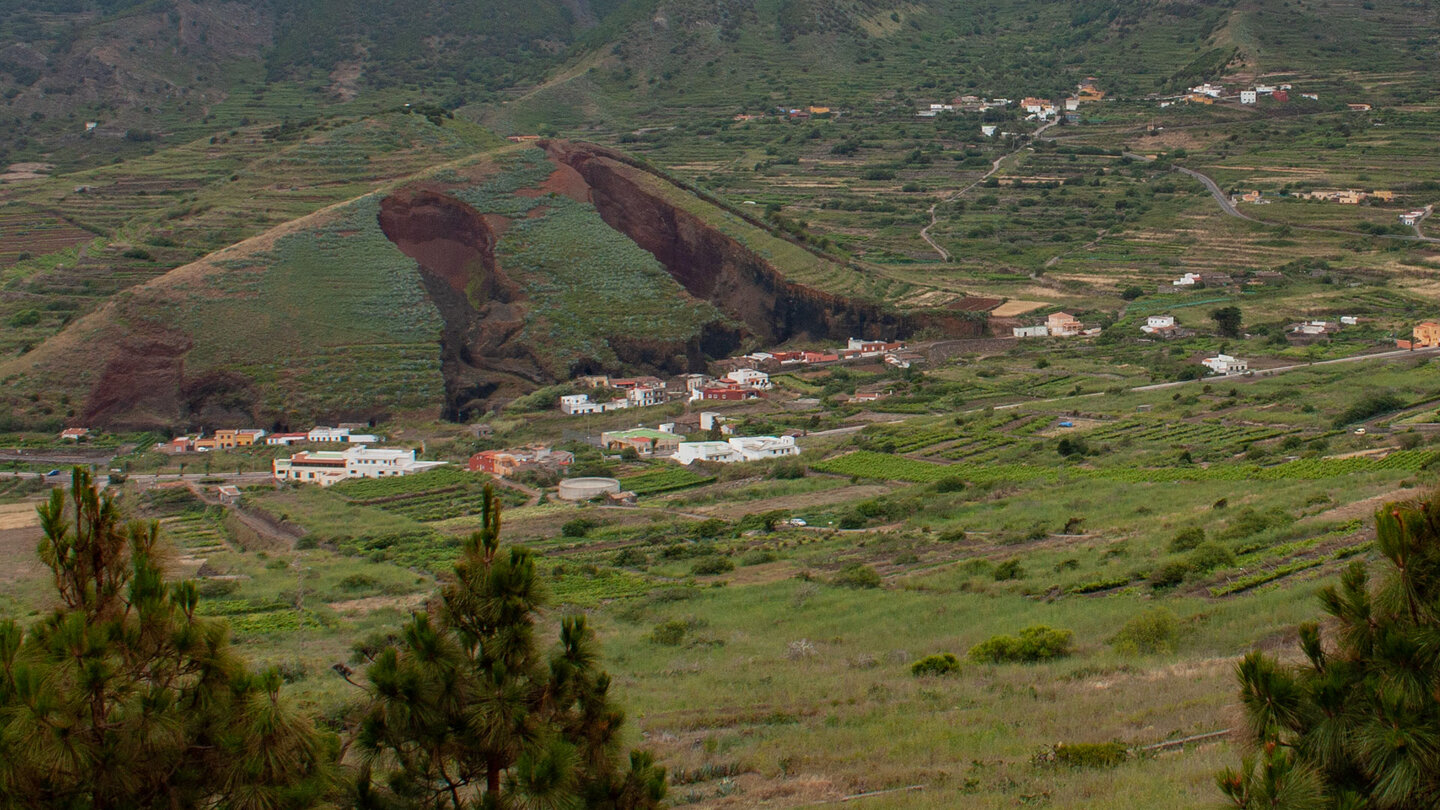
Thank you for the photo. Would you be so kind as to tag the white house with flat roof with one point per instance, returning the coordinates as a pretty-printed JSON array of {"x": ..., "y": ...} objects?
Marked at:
[
  {"x": 758, "y": 448},
  {"x": 326, "y": 467},
  {"x": 718, "y": 452},
  {"x": 1158, "y": 323},
  {"x": 321, "y": 433},
  {"x": 1223, "y": 364}
]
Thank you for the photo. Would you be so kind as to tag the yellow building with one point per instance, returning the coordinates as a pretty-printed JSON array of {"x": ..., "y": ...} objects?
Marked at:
[
  {"x": 244, "y": 437},
  {"x": 1426, "y": 335}
]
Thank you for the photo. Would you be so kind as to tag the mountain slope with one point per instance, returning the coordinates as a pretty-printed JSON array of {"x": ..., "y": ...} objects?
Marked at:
[{"x": 449, "y": 293}]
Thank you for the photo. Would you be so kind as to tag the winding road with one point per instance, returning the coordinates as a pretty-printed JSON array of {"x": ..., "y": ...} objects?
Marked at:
[{"x": 994, "y": 167}]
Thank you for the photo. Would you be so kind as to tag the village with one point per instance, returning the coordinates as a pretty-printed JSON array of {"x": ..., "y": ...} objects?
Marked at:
[{"x": 735, "y": 378}]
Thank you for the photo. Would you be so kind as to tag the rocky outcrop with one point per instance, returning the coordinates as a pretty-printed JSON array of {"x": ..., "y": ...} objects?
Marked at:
[
  {"x": 483, "y": 310},
  {"x": 716, "y": 267}
]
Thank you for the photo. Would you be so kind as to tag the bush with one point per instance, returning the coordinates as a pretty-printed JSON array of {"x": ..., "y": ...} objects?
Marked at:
[
  {"x": 1038, "y": 643},
  {"x": 1008, "y": 570},
  {"x": 952, "y": 483},
  {"x": 1169, "y": 574},
  {"x": 670, "y": 633},
  {"x": 857, "y": 575},
  {"x": 935, "y": 665},
  {"x": 631, "y": 558},
  {"x": 712, "y": 565},
  {"x": 1154, "y": 631},
  {"x": 951, "y": 536},
  {"x": 758, "y": 557},
  {"x": 1187, "y": 539},
  {"x": 1208, "y": 556},
  {"x": 579, "y": 527},
  {"x": 359, "y": 582},
  {"x": 1090, "y": 755}
]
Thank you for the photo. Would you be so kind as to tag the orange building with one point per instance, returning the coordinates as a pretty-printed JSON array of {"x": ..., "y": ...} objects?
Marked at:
[{"x": 1426, "y": 335}]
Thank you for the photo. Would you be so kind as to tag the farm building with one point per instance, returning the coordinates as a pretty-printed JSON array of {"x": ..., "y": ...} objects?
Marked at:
[{"x": 326, "y": 467}]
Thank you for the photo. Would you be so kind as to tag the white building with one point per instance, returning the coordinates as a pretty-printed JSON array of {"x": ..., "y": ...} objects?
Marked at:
[
  {"x": 719, "y": 452},
  {"x": 1412, "y": 217},
  {"x": 327, "y": 434},
  {"x": 326, "y": 467},
  {"x": 1156, "y": 323},
  {"x": 1349, "y": 320},
  {"x": 1247, "y": 96},
  {"x": 1031, "y": 331},
  {"x": 1208, "y": 89},
  {"x": 1267, "y": 89},
  {"x": 1187, "y": 280},
  {"x": 362, "y": 438},
  {"x": 644, "y": 397},
  {"x": 576, "y": 404},
  {"x": 749, "y": 448},
  {"x": 1225, "y": 364},
  {"x": 749, "y": 378},
  {"x": 757, "y": 448},
  {"x": 988, "y": 130}
]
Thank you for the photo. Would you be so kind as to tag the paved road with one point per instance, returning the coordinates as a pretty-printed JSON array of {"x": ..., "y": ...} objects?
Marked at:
[
  {"x": 994, "y": 167},
  {"x": 1391, "y": 355},
  {"x": 1229, "y": 208},
  {"x": 1265, "y": 372}
]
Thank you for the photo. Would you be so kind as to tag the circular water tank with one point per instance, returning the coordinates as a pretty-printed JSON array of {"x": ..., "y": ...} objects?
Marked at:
[{"x": 583, "y": 489}]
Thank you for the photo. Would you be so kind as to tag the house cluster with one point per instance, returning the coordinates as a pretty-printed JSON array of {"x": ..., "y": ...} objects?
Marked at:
[
  {"x": 1058, "y": 324},
  {"x": 247, "y": 437},
  {"x": 635, "y": 392},
  {"x": 668, "y": 442},
  {"x": 326, "y": 467},
  {"x": 730, "y": 451},
  {"x": 1310, "y": 331},
  {"x": 964, "y": 104},
  {"x": 1224, "y": 365},
  {"x": 797, "y": 113},
  {"x": 506, "y": 463},
  {"x": 1425, "y": 335},
  {"x": 894, "y": 353},
  {"x": 1345, "y": 196},
  {"x": 1209, "y": 93},
  {"x": 642, "y": 392}
]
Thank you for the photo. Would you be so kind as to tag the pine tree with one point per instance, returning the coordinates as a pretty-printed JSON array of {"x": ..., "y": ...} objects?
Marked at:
[
  {"x": 465, "y": 709},
  {"x": 1358, "y": 724},
  {"x": 124, "y": 698}
]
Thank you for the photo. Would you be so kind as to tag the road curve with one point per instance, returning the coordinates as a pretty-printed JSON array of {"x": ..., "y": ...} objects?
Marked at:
[{"x": 994, "y": 167}]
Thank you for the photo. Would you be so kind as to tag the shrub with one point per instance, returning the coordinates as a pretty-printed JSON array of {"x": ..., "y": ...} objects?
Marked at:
[
  {"x": 1169, "y": 574},
  {"x": 631, "y": 558},
  {"x": 951, "y": 536},
  {"x": 1037, "y": 643},
  {"x": 1090, "y": 755},
  {"x": 1208, "y": 556},
  {"x": 952, "y": 483},
  {"x": 359, "y": 582},
  {"x": 935, "y": 665},
  {"x": 1008, "y": 570},
  {"x": 1154, "y": 631},
  {"x": 758, "y": 557},
  {"x": 857, "y": 575},
  {"x": 1187, "y": 539},
  {"x": 709, "y": 528},
  {"x": 670, "y": 633},
  {"x": 712, "y": 565},
  {"x": 579, "y": 527}
]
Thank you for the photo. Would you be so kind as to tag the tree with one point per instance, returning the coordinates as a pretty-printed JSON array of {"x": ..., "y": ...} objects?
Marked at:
[
  {"x": 466, "y": 711},
  {"x": 124, "y": 698},
  {"x": 1357, "y": 725},
  {"x": 1227, "y": 319}
]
